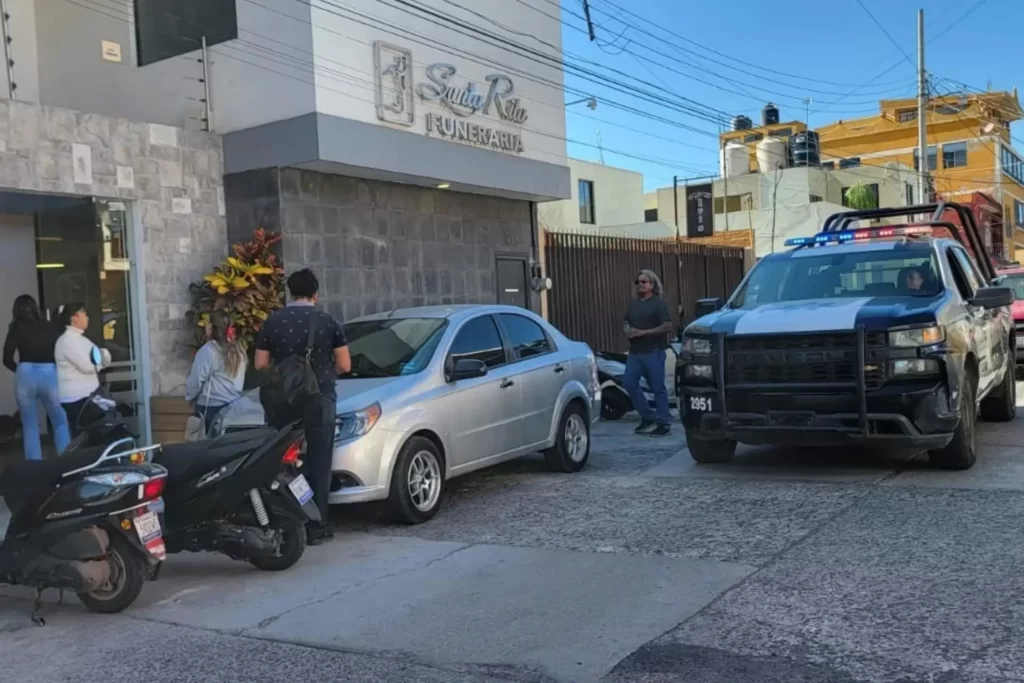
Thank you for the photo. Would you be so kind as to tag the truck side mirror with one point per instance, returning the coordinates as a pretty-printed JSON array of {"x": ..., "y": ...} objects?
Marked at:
[{"x": 705, "y": 306}]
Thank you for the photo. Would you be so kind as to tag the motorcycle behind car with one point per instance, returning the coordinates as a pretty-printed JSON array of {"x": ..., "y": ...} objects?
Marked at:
[
  {"x": 240, "y": 494},
  {"x": 86, "y": 522},
  {"x": 615, "y": 401}
]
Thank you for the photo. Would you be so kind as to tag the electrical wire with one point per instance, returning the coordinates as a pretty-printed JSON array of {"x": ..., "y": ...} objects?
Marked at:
[{"x": 370, "y": 86}]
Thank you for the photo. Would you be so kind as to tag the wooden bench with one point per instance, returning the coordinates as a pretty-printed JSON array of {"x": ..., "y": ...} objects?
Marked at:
[{"x": 168, "y": 415}]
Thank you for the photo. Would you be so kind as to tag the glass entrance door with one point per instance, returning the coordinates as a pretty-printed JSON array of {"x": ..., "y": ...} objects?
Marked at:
[{"x": 83, "y": 256}]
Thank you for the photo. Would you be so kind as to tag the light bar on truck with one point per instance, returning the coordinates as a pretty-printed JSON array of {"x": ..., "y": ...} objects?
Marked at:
[{"x": 860, "y": 234}]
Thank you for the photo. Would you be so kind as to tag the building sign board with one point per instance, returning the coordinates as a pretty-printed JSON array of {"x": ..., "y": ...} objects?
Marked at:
[
  {"x": 392, "y": 67},
  {"x": 468, "y": 106},
  {"x": 700, "y": 221}
]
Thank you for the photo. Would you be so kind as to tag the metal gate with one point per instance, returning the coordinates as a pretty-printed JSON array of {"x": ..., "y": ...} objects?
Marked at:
[{"x": 593, "y": 281}]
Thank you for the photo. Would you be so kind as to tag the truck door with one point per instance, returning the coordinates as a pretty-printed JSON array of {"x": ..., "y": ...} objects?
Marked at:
[{"x": 987, "y": 342}]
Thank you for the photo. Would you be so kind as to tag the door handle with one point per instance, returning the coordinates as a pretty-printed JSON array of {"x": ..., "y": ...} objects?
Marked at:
[
  {"x": 506, "y": 383},
  {"x": 559, "y": 368}
]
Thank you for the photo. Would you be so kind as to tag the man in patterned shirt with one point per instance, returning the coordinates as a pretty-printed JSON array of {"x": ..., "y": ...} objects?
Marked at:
[{"x": 285, "y": 334}]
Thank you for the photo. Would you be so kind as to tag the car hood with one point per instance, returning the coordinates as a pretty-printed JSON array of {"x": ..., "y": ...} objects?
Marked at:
[
  {"x": 819, "y": 315},
  {"x": 353, "y": 394}
]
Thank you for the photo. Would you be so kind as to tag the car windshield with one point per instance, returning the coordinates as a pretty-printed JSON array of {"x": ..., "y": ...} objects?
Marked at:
[
  {"x": 391, "y": 347},
  {"x": 1016, "y": 283},
  {"x": 822, "y": 275}
]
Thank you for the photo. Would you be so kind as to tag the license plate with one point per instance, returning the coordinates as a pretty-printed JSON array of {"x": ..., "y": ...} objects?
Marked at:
[
  {"x": 147, "y": 526},
  {"x": 700, "y": 404},
  {"x": 300, "y": 489}
]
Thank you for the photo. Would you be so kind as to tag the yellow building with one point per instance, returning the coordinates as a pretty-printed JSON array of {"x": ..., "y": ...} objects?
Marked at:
[{"x": 970, "y": 151}]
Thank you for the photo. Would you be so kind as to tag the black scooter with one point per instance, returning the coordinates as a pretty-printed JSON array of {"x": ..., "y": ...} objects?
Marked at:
[
  {"x": 240, "y": 494},
  {"x": 85, "y": 521}
]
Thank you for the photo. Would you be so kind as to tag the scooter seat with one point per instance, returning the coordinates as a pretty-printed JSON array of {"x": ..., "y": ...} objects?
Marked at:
[
  {"x": 18, "y": 482},
  {"x": 195, "y": 458}
]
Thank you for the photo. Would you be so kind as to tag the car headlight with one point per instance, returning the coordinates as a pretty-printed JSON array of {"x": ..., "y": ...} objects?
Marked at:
[
  {"x": 697, "y": 345},
  {"x": 920, "y": 336},
  {"x": 910, "y": 367},
  {"x": 356, "y": 424}
]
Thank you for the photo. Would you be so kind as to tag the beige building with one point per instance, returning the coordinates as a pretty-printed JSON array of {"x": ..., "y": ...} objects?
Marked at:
[{"x": 602, "y": 197}]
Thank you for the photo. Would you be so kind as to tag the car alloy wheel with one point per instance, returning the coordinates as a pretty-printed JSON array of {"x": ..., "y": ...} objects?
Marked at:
[
  {"x": 424, "y": 480},
  {"x": 576, "y": 437}
]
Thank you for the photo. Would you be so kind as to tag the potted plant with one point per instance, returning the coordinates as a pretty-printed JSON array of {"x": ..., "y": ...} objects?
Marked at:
[{"x": 249, "y": 285}]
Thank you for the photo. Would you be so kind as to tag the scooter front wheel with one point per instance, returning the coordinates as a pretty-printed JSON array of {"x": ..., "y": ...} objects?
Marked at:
[{"x": 127, "y": 574}]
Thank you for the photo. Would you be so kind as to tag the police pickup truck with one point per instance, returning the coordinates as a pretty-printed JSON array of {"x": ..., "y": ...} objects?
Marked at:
[{"x": 887, "y": 335}]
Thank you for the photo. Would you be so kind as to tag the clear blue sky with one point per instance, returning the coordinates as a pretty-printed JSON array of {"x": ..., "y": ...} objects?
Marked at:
[{"x": 783, "y": 51}]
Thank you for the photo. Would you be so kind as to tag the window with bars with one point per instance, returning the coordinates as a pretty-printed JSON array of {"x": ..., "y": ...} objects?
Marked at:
[
  {"x": 932, "y": 158},
  {"x": 954, "y": 155}
]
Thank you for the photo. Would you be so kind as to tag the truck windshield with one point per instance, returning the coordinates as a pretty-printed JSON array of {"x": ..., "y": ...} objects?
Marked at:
[{"x": 900, "y": 272}]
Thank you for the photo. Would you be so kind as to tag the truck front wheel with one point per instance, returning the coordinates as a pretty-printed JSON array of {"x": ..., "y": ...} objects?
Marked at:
[
  {"x": 710, "y": 452},
  {"x": 961, "y": 452}
]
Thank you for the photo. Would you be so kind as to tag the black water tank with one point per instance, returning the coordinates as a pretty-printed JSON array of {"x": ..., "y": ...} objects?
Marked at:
[
  {"x": 805, "y": 149},
  {"x": 742, "y": 123},
  {"x": 769, "y": 115}
]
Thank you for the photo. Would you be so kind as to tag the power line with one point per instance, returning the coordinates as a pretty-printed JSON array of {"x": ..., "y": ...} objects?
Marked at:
[
  {"x": 886, "y": 32},
  {"x": 369, "y": 85}
]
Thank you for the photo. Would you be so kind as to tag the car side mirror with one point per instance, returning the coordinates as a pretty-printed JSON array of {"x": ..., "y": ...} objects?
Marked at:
[
  {"x": 705, "y": 306},
  {"x": 467, "y": 368},
  {"x": 992, "y": 297}
]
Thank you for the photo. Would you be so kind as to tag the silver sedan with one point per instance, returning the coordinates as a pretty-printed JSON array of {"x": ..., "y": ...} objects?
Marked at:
[{"x": 438, "y": 392}]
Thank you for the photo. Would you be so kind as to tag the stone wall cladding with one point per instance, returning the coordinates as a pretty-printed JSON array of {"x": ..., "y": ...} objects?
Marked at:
[
  {"x": 376, "y": 245},
  {"x": 175, "y": 176}
]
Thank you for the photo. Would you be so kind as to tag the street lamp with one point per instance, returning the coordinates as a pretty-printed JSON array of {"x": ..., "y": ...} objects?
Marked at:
[{"x": 591, "y": 102}]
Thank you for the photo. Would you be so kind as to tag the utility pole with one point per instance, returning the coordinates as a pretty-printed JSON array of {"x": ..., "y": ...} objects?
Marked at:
[
  {"x": 922, "y": 113},
  {"x": 675, "y": 202}
]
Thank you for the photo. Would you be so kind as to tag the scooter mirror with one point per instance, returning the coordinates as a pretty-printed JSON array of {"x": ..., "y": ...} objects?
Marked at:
[{"x": 96, "y": 356}]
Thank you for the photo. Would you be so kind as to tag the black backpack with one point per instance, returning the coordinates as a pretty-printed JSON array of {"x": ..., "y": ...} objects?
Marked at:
[{"x": 291, "y": 383}]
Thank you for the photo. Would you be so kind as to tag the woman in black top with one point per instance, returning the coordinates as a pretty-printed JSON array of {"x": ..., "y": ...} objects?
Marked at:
[{"x": 35, "y": 375}]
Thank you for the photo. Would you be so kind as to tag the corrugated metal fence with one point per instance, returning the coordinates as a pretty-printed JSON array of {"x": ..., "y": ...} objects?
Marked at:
[{"x": 593, "y": 281}]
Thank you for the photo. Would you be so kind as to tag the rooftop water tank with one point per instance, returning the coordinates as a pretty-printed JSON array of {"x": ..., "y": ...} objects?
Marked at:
[
  {"x": 734, "y": 159},
  {"x": 771, "y": 155},
  {"x": 769, "y": 115},
  {"x": 805, "y": 149},
  {"x": 742, "y": 123}
]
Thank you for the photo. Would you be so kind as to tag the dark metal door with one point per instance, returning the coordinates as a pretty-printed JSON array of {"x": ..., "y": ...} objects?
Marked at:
[{"x": 512, "y": 285}]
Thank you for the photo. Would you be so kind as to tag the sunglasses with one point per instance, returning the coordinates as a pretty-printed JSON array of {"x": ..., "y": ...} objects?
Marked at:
[{"x": 641, "y": 282}]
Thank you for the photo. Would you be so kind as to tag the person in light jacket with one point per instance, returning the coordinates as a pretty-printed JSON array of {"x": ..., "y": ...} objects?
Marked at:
[
  {"x": 33, "y": 340},
  {"x": 77, "y": 376},
  {"x": 218, "y": 370}
]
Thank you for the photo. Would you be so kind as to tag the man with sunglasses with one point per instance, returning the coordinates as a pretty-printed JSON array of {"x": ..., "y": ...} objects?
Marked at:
[{"x": 648, "y": 324}]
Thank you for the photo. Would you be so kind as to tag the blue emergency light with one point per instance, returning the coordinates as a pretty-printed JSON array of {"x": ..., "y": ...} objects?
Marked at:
[{"x": 859, "y": 234}]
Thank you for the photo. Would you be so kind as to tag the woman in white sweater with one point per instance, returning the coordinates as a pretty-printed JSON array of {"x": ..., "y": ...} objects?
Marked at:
[{"x": 77, "y": 374}]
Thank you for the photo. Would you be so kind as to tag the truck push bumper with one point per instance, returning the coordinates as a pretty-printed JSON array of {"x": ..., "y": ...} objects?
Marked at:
[{"x": 897, "y": 414}]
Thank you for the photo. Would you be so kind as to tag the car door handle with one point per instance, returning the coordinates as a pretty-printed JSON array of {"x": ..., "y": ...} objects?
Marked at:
[
  {"x": 506, "y": 383},
  {"x": 559, "y": 368}
]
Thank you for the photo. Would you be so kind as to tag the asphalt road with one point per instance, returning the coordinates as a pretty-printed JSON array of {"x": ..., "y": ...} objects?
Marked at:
[{"x": 783, "y": 566}]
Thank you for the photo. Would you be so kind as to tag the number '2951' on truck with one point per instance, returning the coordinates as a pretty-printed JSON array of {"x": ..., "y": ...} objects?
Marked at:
[{"x": 889, "y": 335}]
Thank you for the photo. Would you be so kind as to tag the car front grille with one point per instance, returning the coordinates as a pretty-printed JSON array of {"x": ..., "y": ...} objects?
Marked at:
[{"x": 802, "y": 359}]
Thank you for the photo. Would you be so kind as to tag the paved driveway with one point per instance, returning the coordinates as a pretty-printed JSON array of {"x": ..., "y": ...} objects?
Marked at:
[{"x": 783, "y": 566}]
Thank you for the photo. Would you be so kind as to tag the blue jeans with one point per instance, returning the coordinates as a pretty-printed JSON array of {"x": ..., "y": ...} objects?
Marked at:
[
  {"x": 650, "y": 366},
  {"x": 36, "y": 383}
]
